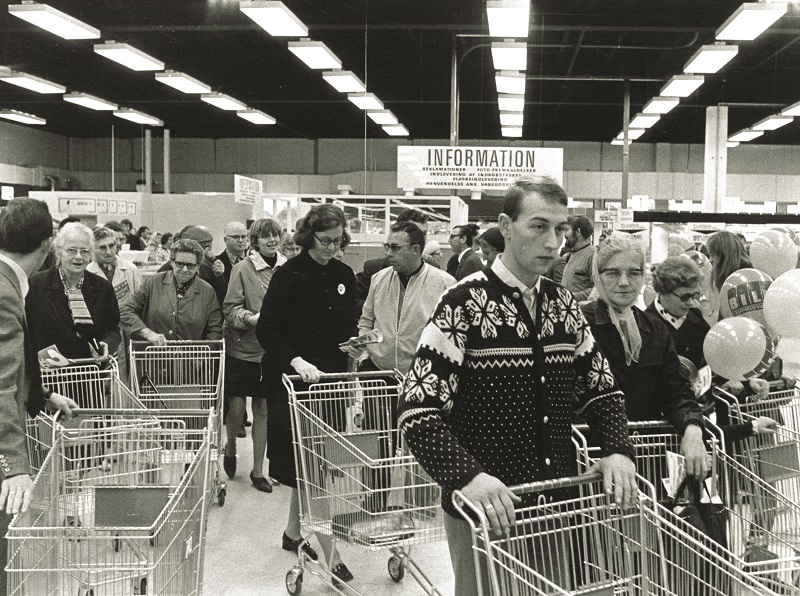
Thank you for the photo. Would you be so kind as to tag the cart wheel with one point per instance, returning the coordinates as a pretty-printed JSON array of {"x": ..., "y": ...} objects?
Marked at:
[
  {"x": 396, "y": 568},
  {"x": 294, "y": 581},
  {"x": 221, "y": 497}
]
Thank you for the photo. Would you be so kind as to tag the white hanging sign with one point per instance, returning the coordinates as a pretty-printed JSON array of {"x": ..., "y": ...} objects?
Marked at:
[{"x": 247, "y": 190}]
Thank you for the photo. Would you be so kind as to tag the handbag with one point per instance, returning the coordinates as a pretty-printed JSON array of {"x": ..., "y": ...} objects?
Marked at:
[{"x": 708, "y": 518}]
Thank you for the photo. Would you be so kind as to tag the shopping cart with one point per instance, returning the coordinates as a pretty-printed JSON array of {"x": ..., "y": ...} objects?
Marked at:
[
  {"x": 356, "y": 481},
  {"x": 584, "y": 544},
  {"x": 181, "y": 375},
  {"x": 130, "y": 524}
]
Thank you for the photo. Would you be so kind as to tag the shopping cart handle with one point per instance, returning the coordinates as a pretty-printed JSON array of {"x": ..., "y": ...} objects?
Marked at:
[
  {"x": 346, "y": 375},
  {"x": 134, "y": 412},
  {"x": 555, "y": 484}
]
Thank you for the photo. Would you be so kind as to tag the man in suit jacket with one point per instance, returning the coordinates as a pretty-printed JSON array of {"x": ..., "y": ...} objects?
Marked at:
[
  {"x": 235, "y": 235},
  {"x": 461, "y": 239},
  {"x": 25, "y": 231}
]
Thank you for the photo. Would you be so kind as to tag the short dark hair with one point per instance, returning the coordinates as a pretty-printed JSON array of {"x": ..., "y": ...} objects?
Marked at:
[
  {"x": 165, "y": 238},
  {"x": 68, "y": 219},
  {"x": 113, "y": 225},
  {"x": 545, "y": 186},
  {"x": 24, "y": 224},
  {"x": 141, "y": 230},
  {"x": 676, "y": 272},
  {"x": 469, "y": 232},
  {"x": 127, "y": 222},
  {"x": 412, "y": 215},
  {"x": 262, "y": 227},
  {"x": 101, "y": 233},
  {"x": 187, "y": 245},
  {"x": 319, "y": 219},
  {"x": 581, "y": 223},
  {"x": 415, "y": 235},
  {"x": 494, "y": 238}
]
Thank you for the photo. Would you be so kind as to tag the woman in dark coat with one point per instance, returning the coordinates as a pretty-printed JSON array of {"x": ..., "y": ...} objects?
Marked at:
[
  {"x": 70, "y": 307},
  {"x": 308, "y": 310}
]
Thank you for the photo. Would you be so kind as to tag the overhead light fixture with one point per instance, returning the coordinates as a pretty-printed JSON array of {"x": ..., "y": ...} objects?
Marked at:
[
  {"x": 382, "y": 117},
  {"x": 315, "y": 54},
  {"x": 127, "y": 55},
  {"x": 510, "y": 82},
  {"x": 643, "y": 121},
  {"x": 344, "y": 81},
  {"x": 274, "y": 18},
  {"x": 365, "y": 101},
  {"x": 22, "y": 117},
  {"x": 30, "y": 82},
  {"x": 660, "y": 105},
  {"x": 511, "y": 103},
  {"x": 682, "y": 85},
  {"x": 511, "y": 118},
  {"x": 396, "y": 130},
  {"x": 710, "y": 59},
  {"x": 182, "y": 82},
  {"x": 633, "y": 134},
  {"x": 138, "y": 117},
  {"x": 510, "y": 55},
  {"x": 54, "y": 21},
  {"x": 256, "y": 117},
  {"x": 90, "y": 101},
  {"x": 772, "y": 122},
  {"x": 744, "y": 135},
  {"x": 508, "y": 18},
  {"x": 223, "y": 102},
  {"x": 792, "y": 110},
  {"x": 750, "y": 20},
  {"x": 511, "y": 131},
  {"x": 732, "y": 144},
  {"x": 620, "y": 142}
]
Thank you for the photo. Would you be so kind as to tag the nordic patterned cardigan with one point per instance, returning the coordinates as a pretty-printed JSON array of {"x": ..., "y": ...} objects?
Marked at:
[{"x": 487, "y": 394}]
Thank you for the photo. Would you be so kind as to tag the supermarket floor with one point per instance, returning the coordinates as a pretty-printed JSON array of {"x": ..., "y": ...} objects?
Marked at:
[{"x": 244, "y": 555}]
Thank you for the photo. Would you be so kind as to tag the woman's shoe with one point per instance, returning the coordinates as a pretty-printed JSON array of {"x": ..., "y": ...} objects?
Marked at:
[
  {"x": 292, "y": 546},
  {"x": 261, "y": 484},
  {"x": 229, "y": 465},
  {"x": 342, "y": 572}
]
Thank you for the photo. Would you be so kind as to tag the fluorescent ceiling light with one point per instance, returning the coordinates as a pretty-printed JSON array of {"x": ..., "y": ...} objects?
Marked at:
[
  {"x": 772, "y": 122},
  {"x": 710, "y": 59},
  {"x": 732, "y": 144},
  {"x": 256, "y": 117},
  {"x": 508, "y": 18},
  {"x": 223, "y": 102},
  {"x": 792, "y": 110},
  {"x": 633, "y": 134},
  {"x": 365, "y": 101},
  {"x": 750, "y": 20},
  {"x": 138, "y": 117},
  {"x": 643, "y": 121},
  {"x": 511, "y": 103},
  {"x": 315, "y": 54},
  {"x": 274, "y": 18},
  {"x": 128, "y": 56},
  {"x": 511, "y": 131},
  {"x": 509, "y": 55},
  {"x": 17, "y": 116},
  {"x": 510, "y": 82},
  {"x": 396, "y": 130},
  {"x": 382, "y": 117},
  {"x": 660, "y": 105},
  {"x": 54, "y": 21},
  {"x": 682, "y": 86},
  {"x": 747, "y": 134},
  {"x": 182, "y": 82},
  {"x": 90, "y": 101},
  {"x": 20, "y": 79},
  {"x": 620, "y": 142},
  {"x": 344, "y": 81},
  {"x": 511, "y": 118}
]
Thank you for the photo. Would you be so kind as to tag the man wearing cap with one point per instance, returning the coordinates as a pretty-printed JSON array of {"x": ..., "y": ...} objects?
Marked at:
[{"x": 211, "y": 270}]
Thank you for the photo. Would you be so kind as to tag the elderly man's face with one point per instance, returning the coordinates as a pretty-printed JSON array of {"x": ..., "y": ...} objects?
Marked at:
[
  {"x": 236, "y": 238},
  {"x": 105, "y": 251}
]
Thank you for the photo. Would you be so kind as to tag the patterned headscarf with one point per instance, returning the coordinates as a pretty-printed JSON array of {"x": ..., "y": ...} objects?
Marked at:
[{"x": 622, "y": 318}]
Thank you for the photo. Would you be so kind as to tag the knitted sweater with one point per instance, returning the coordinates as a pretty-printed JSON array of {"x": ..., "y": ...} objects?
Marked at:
[{"x": 490, "y": 391}]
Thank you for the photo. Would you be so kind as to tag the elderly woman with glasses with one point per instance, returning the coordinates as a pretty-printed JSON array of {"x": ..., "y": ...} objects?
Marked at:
[
  {"x": 249, "y": 281},
  {"x": 639, "y": 348},
  {"x": 174, "y": 304},
  {"x": 69, "y": 306},
  {"x": 308, "y": 310}
]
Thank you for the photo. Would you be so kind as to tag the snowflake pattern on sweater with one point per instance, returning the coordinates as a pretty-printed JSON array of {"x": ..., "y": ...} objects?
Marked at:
[{"x": 487, "y": 394}]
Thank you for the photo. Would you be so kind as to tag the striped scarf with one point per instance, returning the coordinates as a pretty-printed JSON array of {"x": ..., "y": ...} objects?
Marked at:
[{"x": 81, "y": 316}]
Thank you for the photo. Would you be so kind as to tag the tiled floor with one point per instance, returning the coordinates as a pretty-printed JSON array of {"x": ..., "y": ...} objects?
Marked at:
[{"x": 244, "y": 555}]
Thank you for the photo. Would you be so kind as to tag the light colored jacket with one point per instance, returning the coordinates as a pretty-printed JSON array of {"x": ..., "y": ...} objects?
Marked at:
[
  {"x": 127, "y": 278},
  {"x": 400, "y": 335}
]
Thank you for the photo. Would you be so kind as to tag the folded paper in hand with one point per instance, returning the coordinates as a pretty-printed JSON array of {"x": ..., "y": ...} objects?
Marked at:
[
  {"x": 50, "y": 357},
  {"x": 370, "y": 337}
]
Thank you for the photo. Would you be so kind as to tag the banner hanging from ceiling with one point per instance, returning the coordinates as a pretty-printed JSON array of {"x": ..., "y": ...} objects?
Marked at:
[
  {"x": 474, "y": 168},
  {"x": 247, "y": 190}
]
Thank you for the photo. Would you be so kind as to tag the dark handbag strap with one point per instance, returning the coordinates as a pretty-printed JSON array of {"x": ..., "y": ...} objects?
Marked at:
[{"x": 691, "y": 487}]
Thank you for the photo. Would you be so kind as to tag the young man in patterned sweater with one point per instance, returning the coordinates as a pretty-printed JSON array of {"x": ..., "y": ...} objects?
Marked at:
[{"x": 502, "y": 366}]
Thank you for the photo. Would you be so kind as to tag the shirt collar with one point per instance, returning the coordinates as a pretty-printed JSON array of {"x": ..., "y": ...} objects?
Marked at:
[
  {"x": 462, "y": 253},
  {"x": 233, "y": 258},
  {"x": 510, "y": 279},
  {"x": 19, "y": 272},
  {"x": 674, "y": 321}
]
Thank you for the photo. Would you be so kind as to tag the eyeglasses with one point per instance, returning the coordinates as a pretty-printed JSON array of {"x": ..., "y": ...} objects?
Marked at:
[
  {"x": 187, "y": 266},
  {"x": 393, "y": 248},
  {"x": 234, "y": 237},
  {"x": 84, "y": 252},
  {"x": 616, "y": 274},
  {"x": 326, "y": 242},
  {"x": 688, "y": 297}
]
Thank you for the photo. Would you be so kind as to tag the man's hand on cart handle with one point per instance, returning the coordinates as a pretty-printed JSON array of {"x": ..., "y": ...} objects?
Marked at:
[
  {"x": 760, "y": 387},
  {"x": 63, "y": 404},
  {"x": 307, "y": 371},
  {"x": 694, "y": 451},
  {"x": 734, "y": 387},
  {"x": 157, "y": 339},
  {"x": 619, "y": 478},
  {"x": 16, "y": 493},
  {"x": 495, "y": 498},
  {"x": 99, "y": 350},
  {"x": 765, "y": 425}
]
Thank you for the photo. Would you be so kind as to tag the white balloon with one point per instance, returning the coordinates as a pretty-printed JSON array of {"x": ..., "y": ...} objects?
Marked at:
[
  {"x": 782, "y": 305},
  {"x": 774, "y": 253}
]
